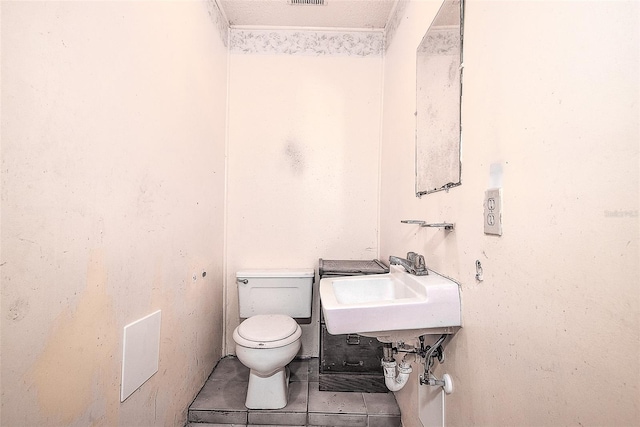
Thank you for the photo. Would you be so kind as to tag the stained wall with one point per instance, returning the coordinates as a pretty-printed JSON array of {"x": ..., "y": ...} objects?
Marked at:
[
  {"x": 550, "y": 114},
  {"x": 303, "y": 156},
  {"x": 113, "y": 127}
]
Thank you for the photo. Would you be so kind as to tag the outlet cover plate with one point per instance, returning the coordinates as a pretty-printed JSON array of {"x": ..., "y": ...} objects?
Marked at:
[{"x": 493, "y": 211}]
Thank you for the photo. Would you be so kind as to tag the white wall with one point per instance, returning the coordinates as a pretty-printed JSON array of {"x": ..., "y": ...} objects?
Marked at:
[
  {"x": 551, "y": 95},
  {"x": 113, "y": 185},
  {"x": 302, "y": 166},
  {"x": 113, "y": 126}
]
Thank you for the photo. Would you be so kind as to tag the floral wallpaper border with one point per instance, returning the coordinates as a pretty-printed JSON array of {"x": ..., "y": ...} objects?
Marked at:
[
  {"x": 394, "y": 22},
  {"x": 219, "y": 20},
  {"x": 445, "y": 41},
  {"x": 310, "y": 43}
]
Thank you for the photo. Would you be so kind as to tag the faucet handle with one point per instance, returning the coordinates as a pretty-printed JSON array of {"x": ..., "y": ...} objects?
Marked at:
[
  {"x": 419, "y": 265},
  {"x": 415, "y": 259}
]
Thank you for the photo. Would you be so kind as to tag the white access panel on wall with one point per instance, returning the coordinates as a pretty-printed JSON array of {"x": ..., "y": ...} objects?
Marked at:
[
  {"x": 140, "y": 353},
  {"x": 431, "y": 406}
]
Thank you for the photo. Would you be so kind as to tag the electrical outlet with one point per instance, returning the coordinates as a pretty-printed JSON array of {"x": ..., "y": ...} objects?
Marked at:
[{"x": 493, "y": 211}]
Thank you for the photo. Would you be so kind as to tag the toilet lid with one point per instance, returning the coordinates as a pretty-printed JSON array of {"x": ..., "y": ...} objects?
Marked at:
[{"x": 267, "y": 327}]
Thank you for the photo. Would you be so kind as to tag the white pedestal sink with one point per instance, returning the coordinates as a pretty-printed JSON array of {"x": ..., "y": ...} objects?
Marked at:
[{"x": 397, "y": 306}]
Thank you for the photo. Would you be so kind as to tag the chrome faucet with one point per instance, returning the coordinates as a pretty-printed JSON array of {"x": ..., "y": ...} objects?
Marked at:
[{"x": 414, "y": 264}]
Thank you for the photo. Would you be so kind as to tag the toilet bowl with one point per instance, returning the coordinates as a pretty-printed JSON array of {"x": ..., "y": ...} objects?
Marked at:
[
  {"x": 269, "y": 337},
  {"x": 266, "y": 344}
]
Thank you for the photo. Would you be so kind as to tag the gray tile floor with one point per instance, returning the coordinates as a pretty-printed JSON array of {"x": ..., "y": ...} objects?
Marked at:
[{"x": 220, "y": 403}]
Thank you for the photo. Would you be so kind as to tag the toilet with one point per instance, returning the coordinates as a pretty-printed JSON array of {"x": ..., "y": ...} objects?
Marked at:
[{"x": 268, "y": 339}]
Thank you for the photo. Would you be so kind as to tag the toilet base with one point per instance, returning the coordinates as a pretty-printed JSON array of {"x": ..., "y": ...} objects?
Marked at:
[{"x": 270, "y": 392}]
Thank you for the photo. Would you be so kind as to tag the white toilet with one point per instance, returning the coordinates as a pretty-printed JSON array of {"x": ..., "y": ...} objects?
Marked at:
[{"x": 269, "y": 338}]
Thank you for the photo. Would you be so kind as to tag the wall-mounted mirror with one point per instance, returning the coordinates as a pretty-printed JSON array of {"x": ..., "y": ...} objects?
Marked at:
[{"x": 438, "y": 101}]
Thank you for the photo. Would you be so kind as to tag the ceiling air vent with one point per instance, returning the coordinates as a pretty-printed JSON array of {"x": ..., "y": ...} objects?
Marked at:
[{"x": 306, "y": 2}]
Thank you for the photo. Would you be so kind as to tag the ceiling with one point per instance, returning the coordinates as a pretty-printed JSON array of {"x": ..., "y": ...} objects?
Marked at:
[{"x": 369, "y": 14}]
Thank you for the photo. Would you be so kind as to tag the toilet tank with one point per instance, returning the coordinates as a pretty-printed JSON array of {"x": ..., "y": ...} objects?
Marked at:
[{"x": 283, "y": 291}]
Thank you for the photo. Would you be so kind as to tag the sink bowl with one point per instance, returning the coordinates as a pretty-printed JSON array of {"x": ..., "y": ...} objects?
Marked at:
[{"x": 397, "y": 306}]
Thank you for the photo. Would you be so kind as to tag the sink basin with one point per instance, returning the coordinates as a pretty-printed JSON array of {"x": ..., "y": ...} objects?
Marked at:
[{"x": 397, "y": 306}]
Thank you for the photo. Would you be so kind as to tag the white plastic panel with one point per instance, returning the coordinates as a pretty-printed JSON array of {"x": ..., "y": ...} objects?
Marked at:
[
  {"x": 430, "y": 405},
  {"x": 140, "y": 353}
]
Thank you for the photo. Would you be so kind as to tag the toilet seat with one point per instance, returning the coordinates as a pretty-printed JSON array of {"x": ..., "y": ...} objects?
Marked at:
[{"x": 267, "y": 331}]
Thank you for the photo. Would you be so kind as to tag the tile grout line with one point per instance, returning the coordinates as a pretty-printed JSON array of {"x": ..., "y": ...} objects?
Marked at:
[{"x": 237, "y": 375}]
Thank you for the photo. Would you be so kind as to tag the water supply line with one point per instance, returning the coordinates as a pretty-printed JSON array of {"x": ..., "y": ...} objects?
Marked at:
[
  {"x": 433, "y": 352},
  {"x": 397, "y": 375}
]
